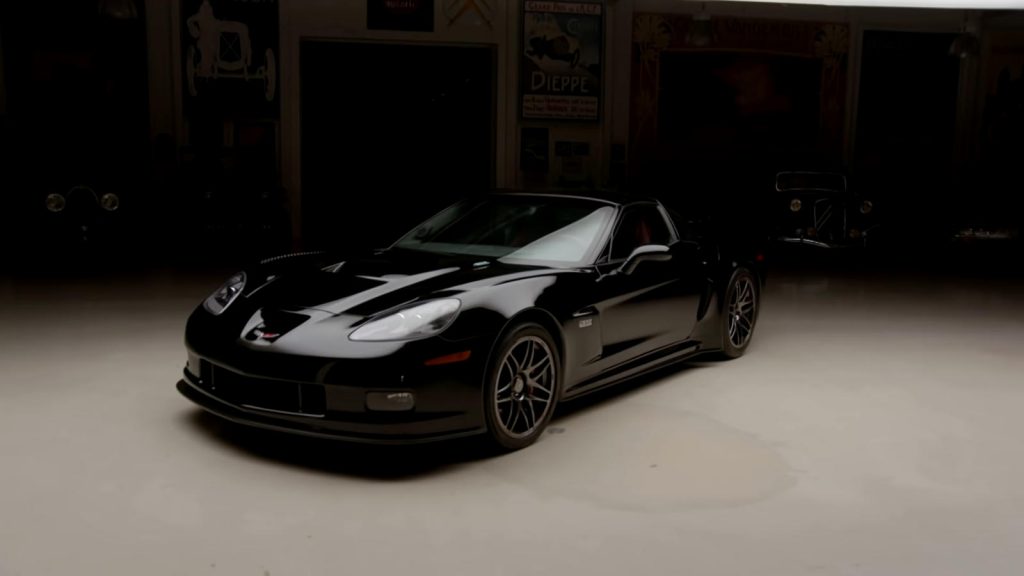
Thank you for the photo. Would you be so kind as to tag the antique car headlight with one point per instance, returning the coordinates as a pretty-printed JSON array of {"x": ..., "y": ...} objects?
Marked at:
[
  {"x": 866, "y": 207},
  {"x": 416, "y": 322},
  {"x": 110, "y": 201},
  {"x": 795, "y": 204},
  {"x": 55, "y": 202},
  {"x": 226, "y": 294}
]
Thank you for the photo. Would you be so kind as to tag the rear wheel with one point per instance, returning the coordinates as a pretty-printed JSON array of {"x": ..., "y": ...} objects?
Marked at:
[
  {"x": 522, "y": 387},
  {"x": 739, "y": 313}
]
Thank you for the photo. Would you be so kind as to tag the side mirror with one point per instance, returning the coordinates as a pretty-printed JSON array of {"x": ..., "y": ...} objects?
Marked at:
[{"x": 648, "y": 253}]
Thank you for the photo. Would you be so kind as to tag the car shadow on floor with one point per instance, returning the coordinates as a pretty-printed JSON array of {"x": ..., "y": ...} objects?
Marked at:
[
  {"x": 369, "y": 461},
  {"x": 397, "y": 463}
]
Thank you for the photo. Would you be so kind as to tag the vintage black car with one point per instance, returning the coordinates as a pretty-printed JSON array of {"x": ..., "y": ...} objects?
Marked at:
[
  {"x": 818, "y": 209},
  {"x": 80, "y": 213},
  {"x": 478, "y": 321}
]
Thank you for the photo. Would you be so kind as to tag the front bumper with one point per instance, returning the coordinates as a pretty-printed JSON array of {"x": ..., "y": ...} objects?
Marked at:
[
  {"x": 387, "y": 401},
  {"x": 372, "y": 432}
]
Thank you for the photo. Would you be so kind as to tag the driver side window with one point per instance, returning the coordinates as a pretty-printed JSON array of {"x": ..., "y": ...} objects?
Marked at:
[{"x": 639, "y": 226}]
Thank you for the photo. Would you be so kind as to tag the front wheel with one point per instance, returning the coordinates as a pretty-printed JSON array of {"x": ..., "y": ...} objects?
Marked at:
[
  {"x": 523, "y": 383},
  {"x": 739, "y": 313}
]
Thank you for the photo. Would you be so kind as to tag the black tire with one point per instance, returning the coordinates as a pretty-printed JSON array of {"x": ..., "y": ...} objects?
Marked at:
[
  {"x": 510, "y": 396},
  {"x": 743, "y": 320}
]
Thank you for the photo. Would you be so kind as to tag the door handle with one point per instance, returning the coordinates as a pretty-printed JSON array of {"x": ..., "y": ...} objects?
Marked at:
[{"x": 587, "y": 311}]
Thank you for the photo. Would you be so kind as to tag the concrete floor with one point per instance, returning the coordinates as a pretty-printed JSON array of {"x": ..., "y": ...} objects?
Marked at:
[{"x": 874, "y": 428}]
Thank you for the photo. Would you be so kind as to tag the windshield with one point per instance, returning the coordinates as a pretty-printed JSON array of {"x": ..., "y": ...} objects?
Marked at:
[{"x": 515, "y": 228}]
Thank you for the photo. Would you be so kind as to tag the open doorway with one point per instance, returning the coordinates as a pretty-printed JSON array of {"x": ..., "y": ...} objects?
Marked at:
[
  {"x": 906, "y": 127},
  {"x": 391, "y": 133},
  {"x": 740, "y": 108}
]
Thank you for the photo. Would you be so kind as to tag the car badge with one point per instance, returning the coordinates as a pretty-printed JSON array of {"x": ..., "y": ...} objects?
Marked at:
[{"x": 261, "y": 333}]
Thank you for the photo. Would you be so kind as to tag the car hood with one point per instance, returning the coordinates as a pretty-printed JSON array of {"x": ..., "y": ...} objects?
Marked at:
[{"x": 381, "y": 281}]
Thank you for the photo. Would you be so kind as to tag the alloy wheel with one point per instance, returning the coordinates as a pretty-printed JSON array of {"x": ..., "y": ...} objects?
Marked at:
[
  {"x": 524, "y": 391},
  {"x": 742, "y": 312}
]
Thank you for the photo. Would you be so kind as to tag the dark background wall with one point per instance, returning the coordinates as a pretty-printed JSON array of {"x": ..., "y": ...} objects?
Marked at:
[
  {"x": 906, "y": 128},
  {"x": 391, "y": 130},
  {"x": 76, "y": 115},
  {"x": 390, "y": 133}
]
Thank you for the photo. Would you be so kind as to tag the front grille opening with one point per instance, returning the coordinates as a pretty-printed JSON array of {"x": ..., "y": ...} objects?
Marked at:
[{"x": 298, "y": 398}]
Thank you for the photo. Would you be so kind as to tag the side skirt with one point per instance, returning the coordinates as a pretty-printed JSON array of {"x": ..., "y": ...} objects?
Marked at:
[{"x": 647, "y": 363}]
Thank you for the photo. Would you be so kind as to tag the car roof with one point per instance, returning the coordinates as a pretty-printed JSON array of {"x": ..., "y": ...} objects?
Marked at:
[
  {"x": 608, "y": 197},
  {"x": 611, "y": 197}
]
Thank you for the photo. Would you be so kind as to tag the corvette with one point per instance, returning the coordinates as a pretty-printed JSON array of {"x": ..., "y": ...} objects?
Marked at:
[{"x": 479, "y": 321}]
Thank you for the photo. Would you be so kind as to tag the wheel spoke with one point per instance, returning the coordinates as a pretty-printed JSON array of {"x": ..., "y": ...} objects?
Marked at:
[
  {"x": 507, "y": 387},
  {"x": 513, "y": 417},
  {"x": 513, "y": 363},
  {"x": 543, "y": 363},
  {"x": 531, "y": 350},
  {"x": 511, "y": 372},
  {"x": 532, "y": 419},
  {"x": 547, "y": 391}
]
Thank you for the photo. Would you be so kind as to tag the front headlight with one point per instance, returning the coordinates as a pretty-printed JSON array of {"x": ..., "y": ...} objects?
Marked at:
[
  {"x": 55, "y": 202},
  {"x": 795, "y": 204},
  {"x": 226, "y": 294},
  {"x": 110, "y": 201},
  {"x": 416, "y": 322},
  {"x": 866, "y": 207}
]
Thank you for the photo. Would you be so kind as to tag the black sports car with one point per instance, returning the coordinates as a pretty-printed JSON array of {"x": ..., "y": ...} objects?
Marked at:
[{"x": 478, "y": 321}]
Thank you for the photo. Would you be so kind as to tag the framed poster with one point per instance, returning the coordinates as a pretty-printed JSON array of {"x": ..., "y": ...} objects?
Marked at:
[
  {"x": 229, "y": 58},
  {"x": 560, "y": 72},
  {"x": 404, "y": 15}
]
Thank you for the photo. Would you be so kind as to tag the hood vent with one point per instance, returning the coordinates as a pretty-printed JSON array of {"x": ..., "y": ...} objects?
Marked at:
[{"x": 274, "y": 324}]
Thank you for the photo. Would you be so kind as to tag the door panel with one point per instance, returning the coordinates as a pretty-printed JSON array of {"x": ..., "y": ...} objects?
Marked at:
[{"x": 648, "y": 311}]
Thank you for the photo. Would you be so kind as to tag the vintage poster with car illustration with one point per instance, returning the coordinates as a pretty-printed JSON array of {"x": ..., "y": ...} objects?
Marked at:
[
  {"x": 561, "y": 60},
  {"x": 229, "y": 57}
]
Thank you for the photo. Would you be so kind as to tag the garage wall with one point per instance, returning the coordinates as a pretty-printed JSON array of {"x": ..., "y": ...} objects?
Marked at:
[
  {"x": 858, "y": 20},
  {"x": 331, "y": 19},
  {"x": 347, "y": 20}
]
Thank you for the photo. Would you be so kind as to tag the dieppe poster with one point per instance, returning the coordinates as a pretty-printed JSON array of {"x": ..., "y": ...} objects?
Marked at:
[{"x": 561, "y": 60}]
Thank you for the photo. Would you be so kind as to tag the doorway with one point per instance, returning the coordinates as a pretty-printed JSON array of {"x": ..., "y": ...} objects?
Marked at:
[
  {"x": 390, "y": 134},
  {"x": 906, "y": 125},
  {"x": 750, "y": 109}
]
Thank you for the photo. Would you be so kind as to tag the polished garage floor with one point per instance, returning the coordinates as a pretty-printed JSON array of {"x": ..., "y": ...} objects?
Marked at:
[{"x": 875, "y": 428}]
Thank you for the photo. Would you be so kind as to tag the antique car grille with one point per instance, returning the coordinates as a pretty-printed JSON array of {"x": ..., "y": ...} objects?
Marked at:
[
  {"x": 830, "y": 219},
  {"x": 298, "y": 398}
]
